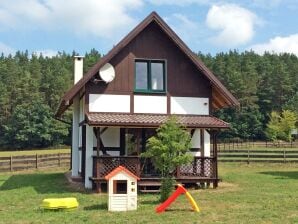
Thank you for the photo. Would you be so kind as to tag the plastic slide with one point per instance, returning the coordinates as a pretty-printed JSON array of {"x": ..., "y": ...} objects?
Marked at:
[{"x": 180, "y": 190}]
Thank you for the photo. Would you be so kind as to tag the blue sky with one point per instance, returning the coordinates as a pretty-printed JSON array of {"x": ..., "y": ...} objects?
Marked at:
[{"x": 209, "y": 26}]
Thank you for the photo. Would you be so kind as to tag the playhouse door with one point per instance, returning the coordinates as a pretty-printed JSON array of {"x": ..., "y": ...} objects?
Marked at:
[{"x": 132, "y": 203}]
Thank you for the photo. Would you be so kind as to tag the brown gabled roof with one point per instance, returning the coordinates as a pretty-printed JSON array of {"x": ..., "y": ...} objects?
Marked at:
[
  {"x": 226, "y": 97},
  {"x": 153, "y": 120}
]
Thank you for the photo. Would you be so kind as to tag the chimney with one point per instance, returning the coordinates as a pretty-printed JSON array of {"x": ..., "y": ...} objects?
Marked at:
[{"x": 78, "y": 68}]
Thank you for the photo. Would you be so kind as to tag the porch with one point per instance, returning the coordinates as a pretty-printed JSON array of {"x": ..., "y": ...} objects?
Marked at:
[{"x": 200, "y": 170}]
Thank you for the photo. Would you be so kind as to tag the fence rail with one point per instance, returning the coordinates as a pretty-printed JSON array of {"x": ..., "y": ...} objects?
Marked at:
[
  {"x": 243, "y": 144},
  {"x": 247, "y": 155},
  {"x": 30, "y": 162}
]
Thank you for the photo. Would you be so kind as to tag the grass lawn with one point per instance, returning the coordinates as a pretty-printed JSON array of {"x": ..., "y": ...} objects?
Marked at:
[
  {"x": 255, "y": 193},
  {"x": 33, "y": 152}
]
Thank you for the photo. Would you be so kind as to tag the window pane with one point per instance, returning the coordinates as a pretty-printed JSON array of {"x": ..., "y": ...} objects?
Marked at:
[
  {"x": 157, "y": 82},
  {"x": 141, "y": 75}
]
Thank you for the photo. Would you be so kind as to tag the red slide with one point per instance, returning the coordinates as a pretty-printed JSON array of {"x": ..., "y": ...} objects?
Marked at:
[{"x": 180, "y": 190}]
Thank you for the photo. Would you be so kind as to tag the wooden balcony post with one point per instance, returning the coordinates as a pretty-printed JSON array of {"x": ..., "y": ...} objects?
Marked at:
[
  {"x": 215, "y": 183},
  {"x": 178, "y": 172}
]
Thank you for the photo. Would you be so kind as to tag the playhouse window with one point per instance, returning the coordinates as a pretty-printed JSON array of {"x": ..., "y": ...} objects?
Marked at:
[
  {"x": 150, "y": 75},
  {"x": 120, "y": 187}
]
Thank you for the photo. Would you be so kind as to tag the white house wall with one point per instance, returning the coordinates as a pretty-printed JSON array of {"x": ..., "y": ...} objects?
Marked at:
[
  {"x": 206, "y": 143},
  {"x": 75, "y": 138},
  {"x": 190, "y": 105},
  {"x": 196, "y": 142},
  {"x": 111, "y": 153},
  {"x": 150, "y": 104},
  {"x": 109, "y": 103},
  {"x": 110, "y": 138}
]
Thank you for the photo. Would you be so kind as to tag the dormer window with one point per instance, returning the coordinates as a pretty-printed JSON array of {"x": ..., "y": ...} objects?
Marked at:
[{"x": 150, "y": 75}]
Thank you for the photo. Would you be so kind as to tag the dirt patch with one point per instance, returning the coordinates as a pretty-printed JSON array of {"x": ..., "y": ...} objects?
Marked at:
[
  {"x": 226, "y": 187},
  {"x": 74, "y": 185}
]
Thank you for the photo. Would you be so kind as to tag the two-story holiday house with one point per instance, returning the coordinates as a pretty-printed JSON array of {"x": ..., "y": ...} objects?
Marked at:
[{"x": 118, "y": 104}]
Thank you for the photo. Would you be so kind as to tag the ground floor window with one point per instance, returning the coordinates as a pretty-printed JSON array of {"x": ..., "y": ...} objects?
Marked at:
[{"x": 136, "y": 138}]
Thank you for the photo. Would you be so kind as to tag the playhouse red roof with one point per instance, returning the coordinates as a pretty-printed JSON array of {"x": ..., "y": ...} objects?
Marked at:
[{"x": 119, "y": 169}]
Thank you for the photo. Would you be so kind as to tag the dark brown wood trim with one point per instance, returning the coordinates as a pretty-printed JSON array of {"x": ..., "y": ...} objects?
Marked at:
[
  {"x": 194, "y": 149},
  {"x": 115, "y": 149},
  {"x": 103, "y": 130},
  {"x": 82, "y": 95},
  {"x": 86, "y": 104},
  {"x": 210, "y": 103},
  {"x": 122, "y": 141},
  {"x": 82, "y": 123},
  {"x": 168, "y": 103}
]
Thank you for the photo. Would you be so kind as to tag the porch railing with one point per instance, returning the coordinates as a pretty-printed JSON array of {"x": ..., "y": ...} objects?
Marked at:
[
  {"x": 199, "y": 168},
  {"x": 103, "y": 165}
]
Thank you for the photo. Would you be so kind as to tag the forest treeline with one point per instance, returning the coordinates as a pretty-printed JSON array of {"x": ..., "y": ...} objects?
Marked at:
[{"x": 31, "y": 87}]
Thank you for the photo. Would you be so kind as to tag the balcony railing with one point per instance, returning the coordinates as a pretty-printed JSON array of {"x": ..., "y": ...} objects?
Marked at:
[{"x": 199, "y": 168}]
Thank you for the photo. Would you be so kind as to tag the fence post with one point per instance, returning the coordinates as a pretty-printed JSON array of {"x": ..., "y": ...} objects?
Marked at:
[
  {"x": 11, "y": 169},
  {"x": 36, "y": 158},
  {"x": 247, "y": 155},
  {"x": 284, "y": 155}
]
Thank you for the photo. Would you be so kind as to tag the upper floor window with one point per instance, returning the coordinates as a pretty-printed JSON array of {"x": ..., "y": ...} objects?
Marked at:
[{"x": 150, "y": 75}]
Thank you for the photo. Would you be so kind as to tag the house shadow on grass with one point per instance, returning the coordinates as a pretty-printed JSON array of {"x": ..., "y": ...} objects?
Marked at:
[
  {"x": 102, "y": 206},
  {"x": 43, "y": 183},
  {"x": 282, "y": 174}
]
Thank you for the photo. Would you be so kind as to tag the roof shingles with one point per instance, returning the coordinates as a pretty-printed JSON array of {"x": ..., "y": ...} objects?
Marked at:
[{"x": 153, "y": 120}]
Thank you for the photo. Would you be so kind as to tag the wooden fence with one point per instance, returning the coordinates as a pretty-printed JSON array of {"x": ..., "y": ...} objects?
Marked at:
[
  {"x": 234, "y": 145},
  {"x": 248, "y": 155},
  {"x": 18, "y": 163}
]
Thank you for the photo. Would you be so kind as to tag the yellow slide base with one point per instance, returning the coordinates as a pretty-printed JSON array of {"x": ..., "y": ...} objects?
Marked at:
[
  {"x": 194, "y": 205},
  {"x": 60, "y": 203}
]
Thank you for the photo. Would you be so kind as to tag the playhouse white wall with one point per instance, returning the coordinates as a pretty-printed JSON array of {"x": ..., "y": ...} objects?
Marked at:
[{"x": 122, "y": 202}]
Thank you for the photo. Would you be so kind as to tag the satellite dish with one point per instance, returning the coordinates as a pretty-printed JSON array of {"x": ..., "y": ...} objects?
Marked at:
[{"x": 107, "y": 73}]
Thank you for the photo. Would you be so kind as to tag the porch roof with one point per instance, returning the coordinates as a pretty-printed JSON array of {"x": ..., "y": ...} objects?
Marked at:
[{"x": 153, "y": 120}]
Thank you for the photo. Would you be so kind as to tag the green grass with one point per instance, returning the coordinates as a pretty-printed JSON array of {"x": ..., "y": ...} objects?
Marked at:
[
  {"x": 257, "y": 193},
  {"x": 33, "y": 152}
]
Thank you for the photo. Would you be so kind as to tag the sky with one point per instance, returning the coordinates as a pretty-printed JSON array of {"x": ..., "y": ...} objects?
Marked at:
[{"x": 208, "y": 26}]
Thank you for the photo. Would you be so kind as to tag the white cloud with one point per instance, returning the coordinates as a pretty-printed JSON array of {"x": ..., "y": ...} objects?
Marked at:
[
  {"x": 101, "y": 18},
  {"x": 46, "y": 53},
  {"x": 5, "y": 49},
  {"x": 179, "y": 2},
  {"x": 278, "y": 44},
  {"x": 235, "y": 25}
]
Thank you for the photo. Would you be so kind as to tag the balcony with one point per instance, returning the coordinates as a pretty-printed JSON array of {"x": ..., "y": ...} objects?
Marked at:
[{"x": 200, "y": 170}]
